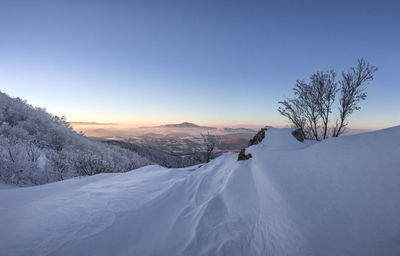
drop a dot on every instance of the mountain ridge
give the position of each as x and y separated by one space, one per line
180 125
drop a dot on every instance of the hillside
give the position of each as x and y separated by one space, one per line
37 147
337 197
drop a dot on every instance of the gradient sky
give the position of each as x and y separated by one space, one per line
208 62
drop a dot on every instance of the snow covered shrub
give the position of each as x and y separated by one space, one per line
19 162
37 147
59 163
90 164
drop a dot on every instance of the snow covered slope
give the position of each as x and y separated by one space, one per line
337 197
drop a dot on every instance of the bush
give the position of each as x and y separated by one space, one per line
37 147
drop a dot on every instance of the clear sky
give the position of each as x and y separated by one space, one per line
208 62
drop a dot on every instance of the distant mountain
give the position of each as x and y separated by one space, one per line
181 125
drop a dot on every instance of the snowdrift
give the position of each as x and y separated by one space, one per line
337 197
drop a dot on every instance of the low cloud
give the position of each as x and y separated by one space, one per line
91 123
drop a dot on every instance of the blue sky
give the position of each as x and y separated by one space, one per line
208 62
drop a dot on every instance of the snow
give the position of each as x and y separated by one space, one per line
6 186
336 197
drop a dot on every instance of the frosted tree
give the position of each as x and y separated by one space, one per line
352 91
291 109
37 147
210 143
311 108
326 88
307 98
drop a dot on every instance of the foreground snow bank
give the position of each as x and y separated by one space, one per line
337 197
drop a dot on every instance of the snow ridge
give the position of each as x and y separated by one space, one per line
337 197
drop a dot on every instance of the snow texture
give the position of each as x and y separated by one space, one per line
336 197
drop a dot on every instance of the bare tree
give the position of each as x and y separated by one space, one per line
353 85
311 108
308 98
210 142
291 108
326 88
303 111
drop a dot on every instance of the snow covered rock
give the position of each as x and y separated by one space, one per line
298 134
243 156
258 137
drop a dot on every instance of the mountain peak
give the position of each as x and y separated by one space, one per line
184 124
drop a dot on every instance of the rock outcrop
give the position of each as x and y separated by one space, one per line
243 155
255 140
298 134
258 137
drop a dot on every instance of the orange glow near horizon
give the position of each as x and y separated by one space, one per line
124 126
